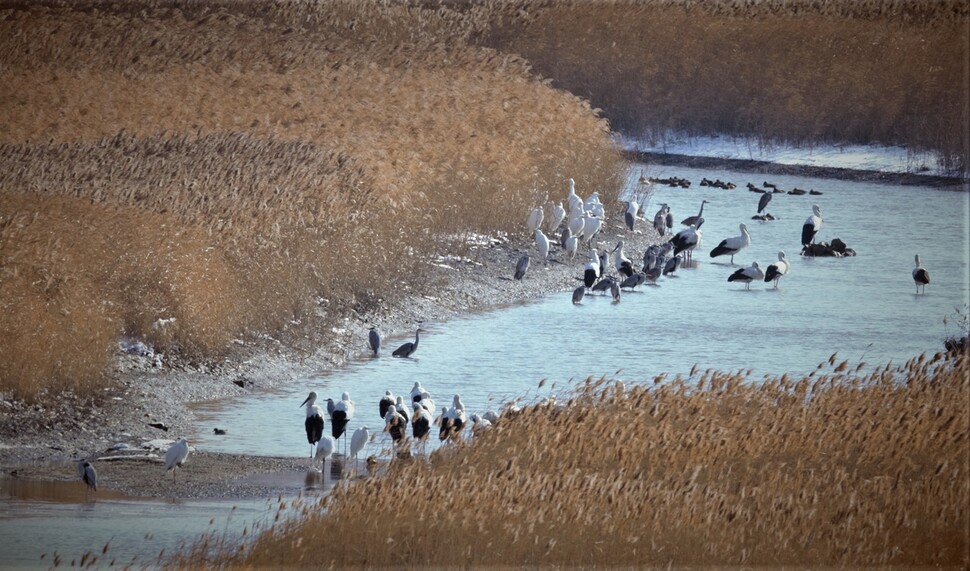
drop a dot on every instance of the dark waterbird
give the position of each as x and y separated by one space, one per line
407 349
521 267
374 340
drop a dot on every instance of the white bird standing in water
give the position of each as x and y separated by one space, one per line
324 450
920 276
176 455
777 270
542 244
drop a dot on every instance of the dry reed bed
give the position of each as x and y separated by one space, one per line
277 165
835 468
806 72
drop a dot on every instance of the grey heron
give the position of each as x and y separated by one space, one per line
578 295
777 270
634 280
660 220
920 276
672 264
88 475
615 292
603 285
746 275
176 455
733 245
763 201
571 246
692 220
407 349
314 420
812 225
520 267
374 339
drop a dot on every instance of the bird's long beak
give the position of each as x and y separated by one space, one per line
304 402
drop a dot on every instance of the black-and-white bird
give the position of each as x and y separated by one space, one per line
733 245
812 225
920 276
88 474
621 262
777 270
451 423
692 220
592 269
374 340
407 349
386 402
402 409
396 425
746 275
416 391
687 240
420 422
521 267
343 412
314 421
176 455
763 201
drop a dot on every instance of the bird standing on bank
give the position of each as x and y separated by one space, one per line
521 267
176 455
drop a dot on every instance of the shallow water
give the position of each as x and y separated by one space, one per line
44 520
864 308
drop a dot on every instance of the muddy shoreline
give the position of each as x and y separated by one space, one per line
149 404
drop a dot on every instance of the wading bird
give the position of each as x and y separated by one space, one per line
416 391
591 227
407 349
374 339
572 245
592 269
402 409
622 263
687 239
615 292
630 216
542 244
812 225
386 402
578 294
558 215
324 450
520 267
672 264
733 245
176 455
395 424
88 475
314 421
763 201
358 440
535 219
603 285
634 280
692 220
920 276
343 412
420 423
752 272
777 270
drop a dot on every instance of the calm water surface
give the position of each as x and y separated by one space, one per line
864 308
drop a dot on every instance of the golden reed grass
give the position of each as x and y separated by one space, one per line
803 71
836 468
232 166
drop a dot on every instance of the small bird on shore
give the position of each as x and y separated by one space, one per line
176 455
920 276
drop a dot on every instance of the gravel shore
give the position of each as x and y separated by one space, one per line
41 441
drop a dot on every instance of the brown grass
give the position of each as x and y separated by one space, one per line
833 469
235 165
780 71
